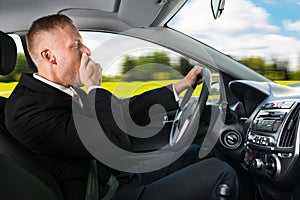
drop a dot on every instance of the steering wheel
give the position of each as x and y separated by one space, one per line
186 121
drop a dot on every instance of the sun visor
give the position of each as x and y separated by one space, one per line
140 13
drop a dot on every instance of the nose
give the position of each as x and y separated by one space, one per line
86 50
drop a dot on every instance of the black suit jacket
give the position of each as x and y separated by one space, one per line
40 117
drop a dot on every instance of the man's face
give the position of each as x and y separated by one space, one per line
67 49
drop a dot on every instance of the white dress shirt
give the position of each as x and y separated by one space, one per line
70 90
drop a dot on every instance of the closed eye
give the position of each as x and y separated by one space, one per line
77 44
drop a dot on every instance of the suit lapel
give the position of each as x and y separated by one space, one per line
40 88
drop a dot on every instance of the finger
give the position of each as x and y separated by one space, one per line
86 70
198 69
84 60
99 68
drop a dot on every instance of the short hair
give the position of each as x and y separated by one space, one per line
45 23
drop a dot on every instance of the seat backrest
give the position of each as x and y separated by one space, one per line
22 176
8 58
8 54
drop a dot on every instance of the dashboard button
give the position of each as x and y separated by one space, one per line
263 143
271 141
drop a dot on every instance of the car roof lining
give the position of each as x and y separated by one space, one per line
151 12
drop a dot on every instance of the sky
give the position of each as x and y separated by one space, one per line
264 28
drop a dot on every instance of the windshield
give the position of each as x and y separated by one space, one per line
258 34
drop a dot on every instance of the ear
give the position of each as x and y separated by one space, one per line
48 56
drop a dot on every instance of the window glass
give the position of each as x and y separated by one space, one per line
258 34
8 82
132 66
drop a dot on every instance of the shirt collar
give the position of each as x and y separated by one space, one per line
70 91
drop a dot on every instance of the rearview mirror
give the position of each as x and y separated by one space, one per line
217 7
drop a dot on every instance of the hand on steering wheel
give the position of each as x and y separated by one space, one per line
186 121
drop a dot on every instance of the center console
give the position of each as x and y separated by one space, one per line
272 143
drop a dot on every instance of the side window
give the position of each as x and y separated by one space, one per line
131 66
8 82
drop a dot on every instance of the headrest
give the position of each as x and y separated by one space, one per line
8 54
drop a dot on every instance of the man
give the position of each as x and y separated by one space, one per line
39 114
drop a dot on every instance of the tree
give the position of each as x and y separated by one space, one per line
184 66
255 63
278 70
128 64
154 66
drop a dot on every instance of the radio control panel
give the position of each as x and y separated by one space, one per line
262 140
272 139
266 126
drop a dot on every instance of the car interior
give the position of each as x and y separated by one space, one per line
253 124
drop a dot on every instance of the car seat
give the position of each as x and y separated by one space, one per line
21 174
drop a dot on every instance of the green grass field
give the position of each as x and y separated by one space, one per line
122 89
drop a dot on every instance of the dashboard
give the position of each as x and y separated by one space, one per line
271 140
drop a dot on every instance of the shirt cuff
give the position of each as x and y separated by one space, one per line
94 87
175 93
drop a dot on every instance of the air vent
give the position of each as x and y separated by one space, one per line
231 139
289 132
